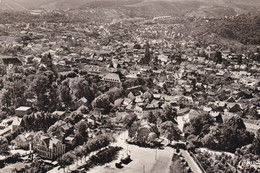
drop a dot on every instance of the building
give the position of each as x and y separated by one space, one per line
70 140
23 110
139 112
49 147
24 140
47 60
82 102
16 124
113 79
59 113
10 62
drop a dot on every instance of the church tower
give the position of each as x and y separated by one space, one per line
147 56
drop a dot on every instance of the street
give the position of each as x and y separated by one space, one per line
191 162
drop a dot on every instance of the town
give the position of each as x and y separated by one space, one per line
105 94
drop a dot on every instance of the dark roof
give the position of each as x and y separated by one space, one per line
7 61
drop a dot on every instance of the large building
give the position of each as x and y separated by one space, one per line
113 79
49 147
9 63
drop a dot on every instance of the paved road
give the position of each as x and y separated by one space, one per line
193 165
143 159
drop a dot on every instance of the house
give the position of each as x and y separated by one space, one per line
121 116
10 62
5 131
231 99
139 99
82 101
163 58
49 147
127 101
16 125
157 96
147 95
194 113
23 110
70 140
155 104
24 140
234 108
118 102
58 113
133 74
92 122
131 96
66 128
139 112
186 100
130 107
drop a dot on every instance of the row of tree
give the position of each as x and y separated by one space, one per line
91 145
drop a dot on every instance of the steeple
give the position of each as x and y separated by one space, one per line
147 56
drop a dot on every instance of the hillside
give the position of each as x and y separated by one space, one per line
244 28
11 5
211 8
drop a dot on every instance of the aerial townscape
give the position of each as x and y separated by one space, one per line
129 86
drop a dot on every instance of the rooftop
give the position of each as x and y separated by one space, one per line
23 108
11 60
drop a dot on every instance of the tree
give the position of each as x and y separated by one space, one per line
6 99
256 144
4 149
37 166
64 94
61 162
39 121
40 86
171 131
137 46
227 138
81 88
236 123
152 118
14 87
80 152
218 57
83 109
169 113
68 159
81 131
102 102
239 59
198 125
115 93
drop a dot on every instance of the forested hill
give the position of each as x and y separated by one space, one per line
244 28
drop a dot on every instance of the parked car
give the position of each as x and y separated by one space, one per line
119 165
